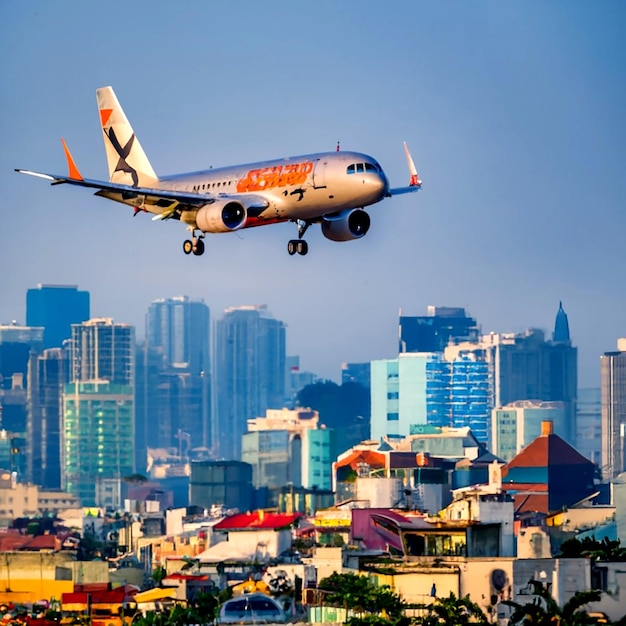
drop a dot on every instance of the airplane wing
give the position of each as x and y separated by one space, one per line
165 203
156 198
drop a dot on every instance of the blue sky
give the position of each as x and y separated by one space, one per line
514 112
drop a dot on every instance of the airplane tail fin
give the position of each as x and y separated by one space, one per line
128 163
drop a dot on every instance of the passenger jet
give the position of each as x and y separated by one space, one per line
328 188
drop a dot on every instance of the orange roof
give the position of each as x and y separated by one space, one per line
373 458
547 450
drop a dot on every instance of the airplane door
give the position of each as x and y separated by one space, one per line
319 174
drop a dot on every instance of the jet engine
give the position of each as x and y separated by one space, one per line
221 216
346 225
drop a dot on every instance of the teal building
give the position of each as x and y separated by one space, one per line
97 436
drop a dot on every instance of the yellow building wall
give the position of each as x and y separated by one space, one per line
34 576
415 587
33 590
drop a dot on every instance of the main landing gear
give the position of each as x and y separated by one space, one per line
195 245
299 245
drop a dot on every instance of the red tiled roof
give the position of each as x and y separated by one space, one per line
548 450
257 520
43 542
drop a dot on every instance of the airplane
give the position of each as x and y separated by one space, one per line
328 188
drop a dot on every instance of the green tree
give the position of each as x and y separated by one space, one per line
588 547
360 594
544 610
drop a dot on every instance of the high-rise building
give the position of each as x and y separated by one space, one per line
103 350
47 375
97 433
427 388
613 389
174 377
180 328
56 308
434 331
18 344
97 436
249 373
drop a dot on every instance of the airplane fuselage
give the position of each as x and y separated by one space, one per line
301 187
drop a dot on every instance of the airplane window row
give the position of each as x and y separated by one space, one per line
362 167
211 185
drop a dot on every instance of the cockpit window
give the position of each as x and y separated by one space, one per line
363 167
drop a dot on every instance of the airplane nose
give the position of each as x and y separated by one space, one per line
381 184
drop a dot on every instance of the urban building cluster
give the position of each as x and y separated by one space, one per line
204 448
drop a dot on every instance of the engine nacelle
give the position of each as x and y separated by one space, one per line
346 225
221 216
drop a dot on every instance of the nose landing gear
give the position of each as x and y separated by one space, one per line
195 245
299 245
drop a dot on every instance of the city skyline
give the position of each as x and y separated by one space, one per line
514 118
335 367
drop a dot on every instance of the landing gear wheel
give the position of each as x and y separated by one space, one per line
292 247
198 249
187 246
302 247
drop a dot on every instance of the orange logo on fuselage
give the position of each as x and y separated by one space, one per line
277 176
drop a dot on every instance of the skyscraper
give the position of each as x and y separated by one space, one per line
97 431
47 375
613 390
174 389
249 372
17 345
56 308
180 327
428 388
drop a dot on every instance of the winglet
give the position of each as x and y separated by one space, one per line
414 181
71 166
